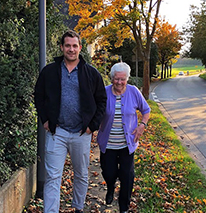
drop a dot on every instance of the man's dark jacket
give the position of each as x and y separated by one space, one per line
47 94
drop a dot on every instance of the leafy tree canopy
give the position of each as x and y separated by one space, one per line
167 39
196 33
116 20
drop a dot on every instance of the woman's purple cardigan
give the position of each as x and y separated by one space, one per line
131 101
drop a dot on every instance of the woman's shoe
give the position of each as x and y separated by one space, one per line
109 197
79 211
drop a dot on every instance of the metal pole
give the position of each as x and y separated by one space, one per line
120 58
40 130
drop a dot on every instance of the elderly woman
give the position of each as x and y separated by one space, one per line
119 134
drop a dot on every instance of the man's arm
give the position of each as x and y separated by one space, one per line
101 101
39 98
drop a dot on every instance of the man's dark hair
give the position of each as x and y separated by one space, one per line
72 34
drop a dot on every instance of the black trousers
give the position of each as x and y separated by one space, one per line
119 164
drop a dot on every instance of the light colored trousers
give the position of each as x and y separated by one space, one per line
56 148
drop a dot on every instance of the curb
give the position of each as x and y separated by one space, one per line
189 146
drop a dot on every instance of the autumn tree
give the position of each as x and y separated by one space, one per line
167 39
128 56
116 20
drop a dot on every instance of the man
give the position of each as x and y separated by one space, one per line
70 99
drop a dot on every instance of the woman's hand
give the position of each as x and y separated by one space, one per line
138 131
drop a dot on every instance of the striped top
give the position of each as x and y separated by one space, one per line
116 137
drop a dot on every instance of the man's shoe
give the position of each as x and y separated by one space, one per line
123 211
109 197
79 211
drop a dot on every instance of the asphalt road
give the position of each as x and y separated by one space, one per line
183 100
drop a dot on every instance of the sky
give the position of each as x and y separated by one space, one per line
177 11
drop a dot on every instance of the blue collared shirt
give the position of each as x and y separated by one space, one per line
70 117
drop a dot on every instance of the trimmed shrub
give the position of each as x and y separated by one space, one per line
19 66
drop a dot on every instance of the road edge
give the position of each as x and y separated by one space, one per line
187 143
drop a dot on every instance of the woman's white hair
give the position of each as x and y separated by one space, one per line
120 67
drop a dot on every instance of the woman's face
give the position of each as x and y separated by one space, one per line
119 81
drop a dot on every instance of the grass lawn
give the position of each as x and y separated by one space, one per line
203 75
192 70
167 179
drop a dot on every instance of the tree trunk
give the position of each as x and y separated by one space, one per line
162 71
170 70
165 67
137 67
146 80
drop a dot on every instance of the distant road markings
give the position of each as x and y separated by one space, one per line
154 97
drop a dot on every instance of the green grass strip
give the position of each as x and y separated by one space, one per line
167 179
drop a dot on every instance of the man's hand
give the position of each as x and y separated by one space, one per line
46 126
88 131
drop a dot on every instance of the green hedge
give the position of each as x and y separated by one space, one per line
19 68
